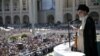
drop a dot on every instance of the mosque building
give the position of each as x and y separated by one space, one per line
19 12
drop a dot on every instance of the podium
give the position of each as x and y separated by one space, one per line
65 50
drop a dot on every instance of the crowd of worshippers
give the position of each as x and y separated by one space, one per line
33 46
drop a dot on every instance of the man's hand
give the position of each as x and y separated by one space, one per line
74 28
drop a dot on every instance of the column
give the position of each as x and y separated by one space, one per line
86 1
74 8
3 12
30 11
59 10
99 16
11 10
77 3
33 13
21 21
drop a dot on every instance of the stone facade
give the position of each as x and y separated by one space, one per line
31 11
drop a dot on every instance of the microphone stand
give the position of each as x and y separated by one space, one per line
69 34
76 38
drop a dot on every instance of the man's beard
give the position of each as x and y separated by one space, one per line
81 18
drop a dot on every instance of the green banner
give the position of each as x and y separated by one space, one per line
98 1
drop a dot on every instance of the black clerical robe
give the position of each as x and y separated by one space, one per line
89 34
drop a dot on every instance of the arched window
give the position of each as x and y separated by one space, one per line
0 5
1 20
8 20
95 16
50 19
7 5
25 4
26 19
67 17
16 5
16 19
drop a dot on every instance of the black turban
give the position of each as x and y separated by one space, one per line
83 7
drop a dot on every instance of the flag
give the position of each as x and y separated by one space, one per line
98 1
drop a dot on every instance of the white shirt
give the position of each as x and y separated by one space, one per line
83 19
80 38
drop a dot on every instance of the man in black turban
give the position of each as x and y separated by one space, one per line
87 42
